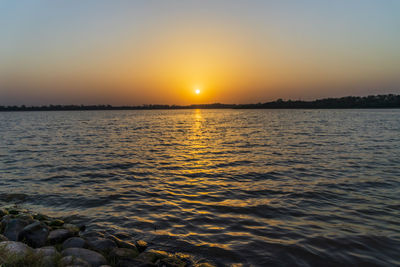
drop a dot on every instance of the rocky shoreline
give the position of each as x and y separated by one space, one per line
34 239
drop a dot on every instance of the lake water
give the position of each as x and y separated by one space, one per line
256 187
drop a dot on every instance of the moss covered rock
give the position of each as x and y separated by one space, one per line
56 223
152 256
40 217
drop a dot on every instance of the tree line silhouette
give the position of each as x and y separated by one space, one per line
371 101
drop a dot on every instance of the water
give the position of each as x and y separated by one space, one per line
257 187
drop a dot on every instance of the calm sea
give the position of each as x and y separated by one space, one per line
257 187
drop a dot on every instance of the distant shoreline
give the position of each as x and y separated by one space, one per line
349 102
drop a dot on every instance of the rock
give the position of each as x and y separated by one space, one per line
40 217
35 234
152 256
17 248
25 217
47 222
141 245
122 244
74 242
101 244
123 253
58 236
73 261
13 228
48 256
47 251
56 223
3 238
4 222
92 257
72 228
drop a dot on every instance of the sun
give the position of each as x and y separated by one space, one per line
197 91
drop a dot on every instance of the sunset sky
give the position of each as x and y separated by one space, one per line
160 52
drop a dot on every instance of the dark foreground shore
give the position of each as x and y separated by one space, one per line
33 239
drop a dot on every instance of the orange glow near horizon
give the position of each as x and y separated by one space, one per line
133 53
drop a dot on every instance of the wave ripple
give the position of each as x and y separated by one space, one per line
256 187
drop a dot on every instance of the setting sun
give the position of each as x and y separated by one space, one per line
197 91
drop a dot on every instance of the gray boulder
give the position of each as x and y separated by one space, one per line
74 261
16 248
101 244
92 257
74 242
13 228
49 251
48 256
58 236
34 234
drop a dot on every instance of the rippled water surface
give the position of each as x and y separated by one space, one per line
257 187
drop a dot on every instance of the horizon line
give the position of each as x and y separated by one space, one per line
370 101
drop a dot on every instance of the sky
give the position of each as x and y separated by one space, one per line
161 52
